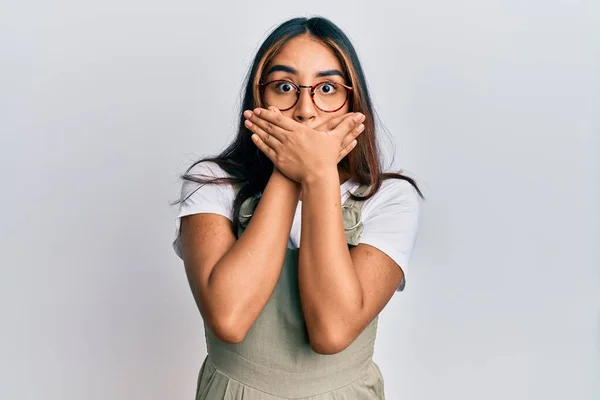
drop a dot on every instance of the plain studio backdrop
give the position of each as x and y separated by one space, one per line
493 106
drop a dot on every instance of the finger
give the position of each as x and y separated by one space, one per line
262 146
349 123
264 136
353 134
346 150
275 117
332 123
266 126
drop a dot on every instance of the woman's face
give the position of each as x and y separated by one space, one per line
306 61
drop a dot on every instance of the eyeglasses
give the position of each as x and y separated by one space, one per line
327 96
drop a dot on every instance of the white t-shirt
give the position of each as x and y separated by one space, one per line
390 218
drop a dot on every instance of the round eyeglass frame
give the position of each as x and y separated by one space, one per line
312 92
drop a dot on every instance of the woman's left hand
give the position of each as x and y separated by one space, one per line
298 151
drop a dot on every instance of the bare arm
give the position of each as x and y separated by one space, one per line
341 290
232 280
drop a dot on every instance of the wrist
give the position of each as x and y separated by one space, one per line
279 176
323 177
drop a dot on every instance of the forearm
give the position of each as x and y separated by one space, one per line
329 286
244 278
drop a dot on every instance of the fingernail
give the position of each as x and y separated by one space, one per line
248 123
247 113
257 111
361 128
358 117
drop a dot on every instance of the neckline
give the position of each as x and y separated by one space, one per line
346 185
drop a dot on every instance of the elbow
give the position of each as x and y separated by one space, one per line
224 326
328 345
227 330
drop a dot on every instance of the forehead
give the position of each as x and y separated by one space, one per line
307 55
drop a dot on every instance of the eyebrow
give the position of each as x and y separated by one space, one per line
286 68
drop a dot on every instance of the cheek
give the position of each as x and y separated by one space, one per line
325 116
342 111
288 113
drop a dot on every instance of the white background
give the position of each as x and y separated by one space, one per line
492 105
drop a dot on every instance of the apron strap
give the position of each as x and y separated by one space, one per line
352 216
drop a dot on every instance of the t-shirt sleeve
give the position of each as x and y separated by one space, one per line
391 221
197 198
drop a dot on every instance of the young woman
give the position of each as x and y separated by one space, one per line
293 238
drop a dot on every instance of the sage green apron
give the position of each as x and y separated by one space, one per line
275 360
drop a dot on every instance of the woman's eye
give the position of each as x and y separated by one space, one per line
285 87
327 88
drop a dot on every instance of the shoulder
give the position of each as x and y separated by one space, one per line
208 169
205 172
391 219
394 195
399 187
197 197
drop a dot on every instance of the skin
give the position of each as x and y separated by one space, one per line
322 65
341 290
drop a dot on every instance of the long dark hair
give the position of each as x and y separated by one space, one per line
247 167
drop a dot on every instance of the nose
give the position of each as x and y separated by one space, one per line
304 110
